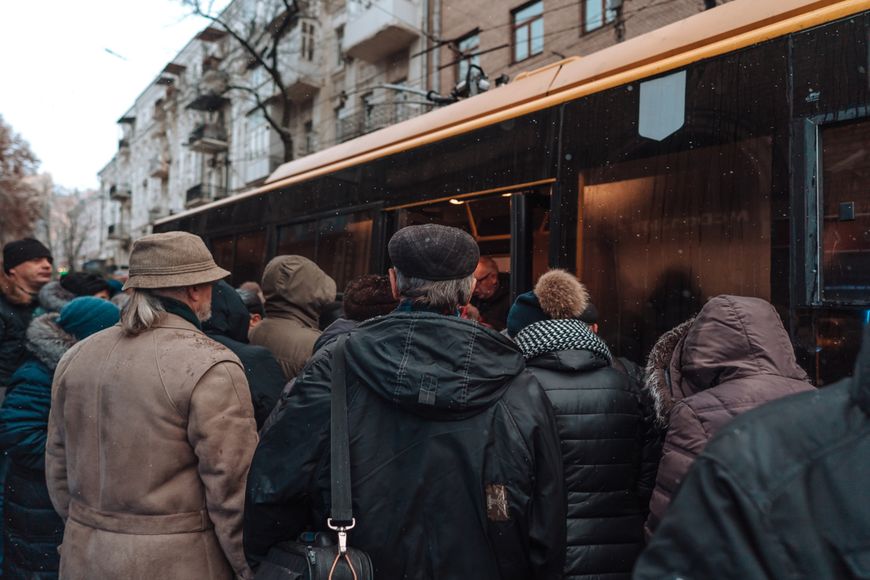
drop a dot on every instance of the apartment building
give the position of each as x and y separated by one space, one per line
263 85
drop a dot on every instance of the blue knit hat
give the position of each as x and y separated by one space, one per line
526 310
86 315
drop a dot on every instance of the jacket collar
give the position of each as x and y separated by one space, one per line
47 340
178 308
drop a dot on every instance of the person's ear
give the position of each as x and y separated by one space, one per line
394 284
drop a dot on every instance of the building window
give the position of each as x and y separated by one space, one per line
528 31
309 137
468 45
339 40
307 41
596 13
367 103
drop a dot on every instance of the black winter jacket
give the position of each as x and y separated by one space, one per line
780 492
455 462
611 448
14 319
228 325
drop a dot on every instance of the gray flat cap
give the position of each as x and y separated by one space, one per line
434 252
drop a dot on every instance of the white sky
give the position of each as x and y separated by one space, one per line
63 92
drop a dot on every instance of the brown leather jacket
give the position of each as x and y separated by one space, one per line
734 356
149 443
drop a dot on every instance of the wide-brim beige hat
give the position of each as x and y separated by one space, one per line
170 260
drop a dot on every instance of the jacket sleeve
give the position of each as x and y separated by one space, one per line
712 530
24 419
55 445
685 440
547 528
223 435
281 483
651 446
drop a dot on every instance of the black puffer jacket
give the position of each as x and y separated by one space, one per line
780 492
15 316
611 449
443 418
228 325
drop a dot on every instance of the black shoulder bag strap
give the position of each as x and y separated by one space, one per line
341 514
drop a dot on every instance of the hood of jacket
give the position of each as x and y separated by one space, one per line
295 287
435 366
47 340
53 297
229 316
733 337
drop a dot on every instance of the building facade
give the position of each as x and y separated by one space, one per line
263 85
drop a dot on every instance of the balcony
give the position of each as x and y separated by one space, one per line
119 192
208 138
159 168
118 232
123 144
380 28
300 69
203 193
377 116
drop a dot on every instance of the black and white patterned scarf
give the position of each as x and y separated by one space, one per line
555 335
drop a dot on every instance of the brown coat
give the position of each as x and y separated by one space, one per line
733 357
149 443
296 290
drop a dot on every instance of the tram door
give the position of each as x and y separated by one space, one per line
511 227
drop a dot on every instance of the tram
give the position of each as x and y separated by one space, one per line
726 153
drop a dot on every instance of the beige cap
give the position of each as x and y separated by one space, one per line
171 259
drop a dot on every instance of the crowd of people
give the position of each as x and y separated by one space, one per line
177 427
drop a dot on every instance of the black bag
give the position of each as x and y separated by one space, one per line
316 556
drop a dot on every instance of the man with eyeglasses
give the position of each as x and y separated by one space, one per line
491 300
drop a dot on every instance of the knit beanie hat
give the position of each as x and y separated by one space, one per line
367 297
86 315
558 295
20 251
84 283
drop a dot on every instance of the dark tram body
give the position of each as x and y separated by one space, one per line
757 183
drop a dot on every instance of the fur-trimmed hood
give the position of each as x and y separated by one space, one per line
53 297
733 337
47 340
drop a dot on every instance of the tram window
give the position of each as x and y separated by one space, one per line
340 245
298 239
845 212
222 250
250 256
660 235
344 246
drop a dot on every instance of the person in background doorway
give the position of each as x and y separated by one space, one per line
610 446
734 356
254 287
32 530
364 297
296 291
491 300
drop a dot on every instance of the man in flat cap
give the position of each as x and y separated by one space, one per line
152 430
455 459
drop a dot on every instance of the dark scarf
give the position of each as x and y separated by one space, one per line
557 335
173 306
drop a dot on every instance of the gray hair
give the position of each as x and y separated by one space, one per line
445 294
141 312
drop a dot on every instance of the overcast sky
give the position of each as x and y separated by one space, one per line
61 89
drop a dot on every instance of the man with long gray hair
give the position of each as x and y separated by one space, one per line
151 431
455 458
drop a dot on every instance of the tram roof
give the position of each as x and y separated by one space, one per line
726 28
